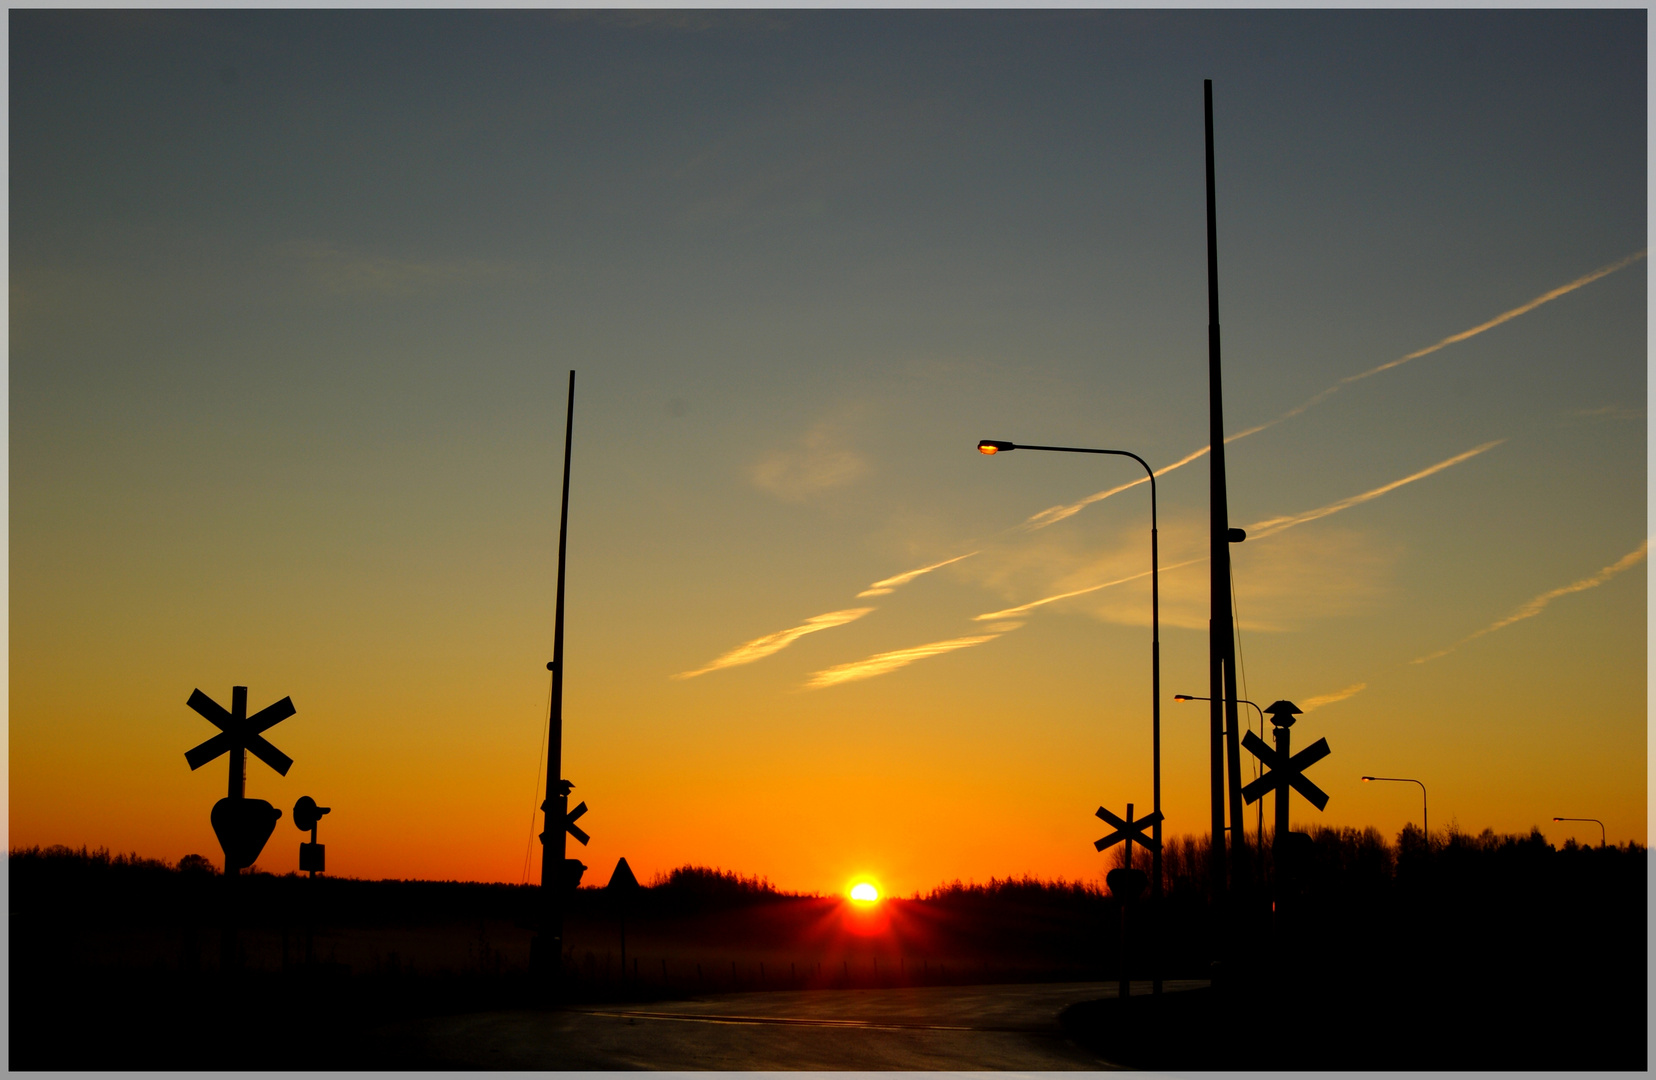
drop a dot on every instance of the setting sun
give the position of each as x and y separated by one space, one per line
865 892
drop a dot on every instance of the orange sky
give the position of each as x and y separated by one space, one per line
289 337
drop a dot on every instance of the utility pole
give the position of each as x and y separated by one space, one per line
547 954
1221 632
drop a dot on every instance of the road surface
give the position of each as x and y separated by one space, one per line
1009 1026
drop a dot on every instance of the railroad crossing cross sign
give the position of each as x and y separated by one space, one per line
569 823
1128 829
1285 772
242 825
238 731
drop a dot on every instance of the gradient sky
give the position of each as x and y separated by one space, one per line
294 296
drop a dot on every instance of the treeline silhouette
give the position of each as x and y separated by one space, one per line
1486 951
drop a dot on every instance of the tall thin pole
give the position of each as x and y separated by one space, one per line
1155 745
556 806
1223 715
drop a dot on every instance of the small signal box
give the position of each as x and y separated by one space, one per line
306 815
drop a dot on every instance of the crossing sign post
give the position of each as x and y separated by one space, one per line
1127 883
1286 770
242 824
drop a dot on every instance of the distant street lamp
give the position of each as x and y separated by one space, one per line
1260 829
1594 820
1424 827
996 446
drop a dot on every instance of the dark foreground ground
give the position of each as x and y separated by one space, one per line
1500 954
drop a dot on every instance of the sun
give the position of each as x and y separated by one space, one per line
864 892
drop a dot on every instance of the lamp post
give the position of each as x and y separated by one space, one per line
1424 827
1594 820
994 446
1260 829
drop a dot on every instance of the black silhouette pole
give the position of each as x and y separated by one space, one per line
1425 827
556 806
995 446
1594 820
1221 632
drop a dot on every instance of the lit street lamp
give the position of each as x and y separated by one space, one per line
1594 820
1424 827
995 446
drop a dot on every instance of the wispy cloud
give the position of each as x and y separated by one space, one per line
1024 609
1312 704
891 584
1269 526
1053 515
880 663
819 462
1534 607
347 272
759 648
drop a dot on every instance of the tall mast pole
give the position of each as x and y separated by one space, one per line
556 806
1221 640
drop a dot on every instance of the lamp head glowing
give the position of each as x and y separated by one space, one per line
994 446
1365 779
1183 697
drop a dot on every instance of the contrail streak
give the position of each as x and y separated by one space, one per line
1269 526
1256 531
759 648
881 588
881 663
1056 514
1535 606
1053 515
1014 612
1499 319
1338 695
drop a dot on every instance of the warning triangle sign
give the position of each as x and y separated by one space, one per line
623 879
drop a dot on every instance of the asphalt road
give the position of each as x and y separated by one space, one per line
1011 1027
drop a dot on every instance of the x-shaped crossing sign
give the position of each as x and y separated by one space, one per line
569 823
237 729
1129 830
1284 774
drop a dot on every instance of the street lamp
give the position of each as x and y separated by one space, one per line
1241 701
996 446
1424 827
1594 820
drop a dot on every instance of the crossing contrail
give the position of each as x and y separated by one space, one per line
1053 515
1256 531
761 647
880 663
1021 609
890 584
1586 279
1265 528
1535 606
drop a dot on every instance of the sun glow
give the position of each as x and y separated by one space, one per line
864 892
